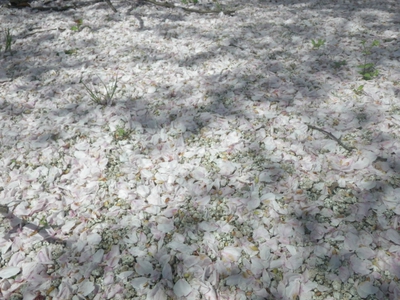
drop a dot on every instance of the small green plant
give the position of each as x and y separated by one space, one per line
317 44
8 40
102 98
43 222
70 51
78 25
121 133
368 70
218 5
190 1
338 64
358 90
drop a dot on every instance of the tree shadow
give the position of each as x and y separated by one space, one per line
306 217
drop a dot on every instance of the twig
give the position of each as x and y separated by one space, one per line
330 135
111 6
171 5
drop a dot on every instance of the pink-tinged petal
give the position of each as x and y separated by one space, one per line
226 167
4 246
254 202
365 238
207 226
108 278
265 176
191 260
214 278
167 272
31 269
231 253
124 275
98 256
8 272
261 293
66 228
277 263
5 285
365 184
93 239
154 198
207 291
366 288
202 201
334 262
351 241
364 161
16 258
157 293
165 225
112 257
344 273
112 290
265 254
294 262
44 256
308 286
143 267
321 250
86 287
182 288
64 291
139 283
360 266
365 253
343 164
317 231
257 266
293 289
21 209
199 173
234 279
393 236
394 249
394 267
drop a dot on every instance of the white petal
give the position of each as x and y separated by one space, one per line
362 163
253 203
226 167
86 287
93 238
8 272
231 253
206 226
365 253
143 267
98 256
167 272
139 282
234 279
366 288
393 236
154 198
143 190
165 225
294 262
351 241
265 176
124 275
360 266
182 288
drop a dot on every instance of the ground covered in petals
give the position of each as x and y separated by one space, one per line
159 154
